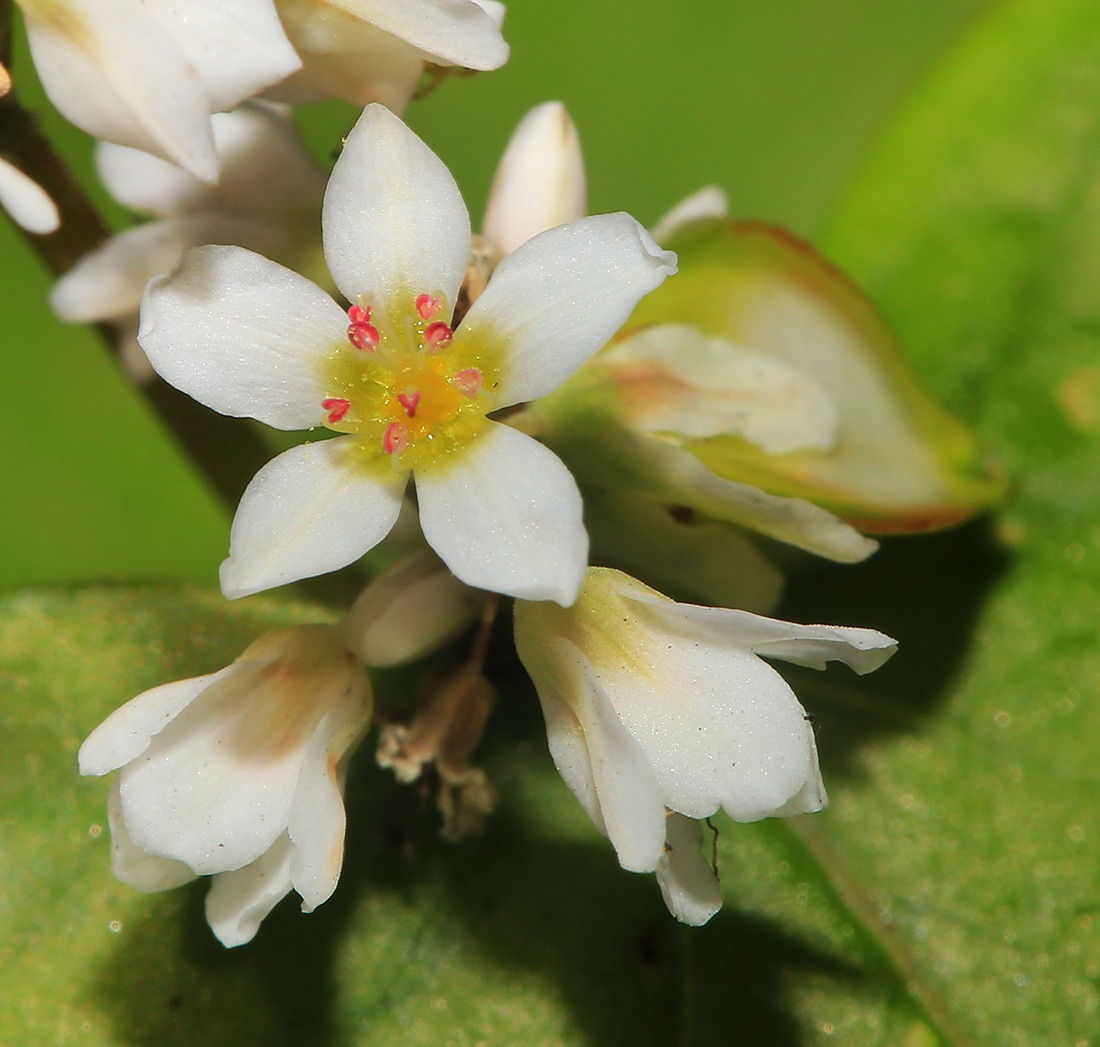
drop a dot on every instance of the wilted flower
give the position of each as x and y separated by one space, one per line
654 707
267 199
149 73
247 337
379 52
238 775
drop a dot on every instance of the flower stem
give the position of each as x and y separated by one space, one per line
227 451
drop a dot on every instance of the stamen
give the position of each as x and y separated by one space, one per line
427 306
359 314
438 336
469 382
410 400
336 408
363 335
395 439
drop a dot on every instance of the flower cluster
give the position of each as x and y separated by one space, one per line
535 412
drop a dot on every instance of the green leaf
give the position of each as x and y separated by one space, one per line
974 228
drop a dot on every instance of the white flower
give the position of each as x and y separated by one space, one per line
377 50
249 338
540 181
26 202
238 774
266 199
148 73
654 706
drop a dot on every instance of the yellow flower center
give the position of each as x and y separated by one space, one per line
412 388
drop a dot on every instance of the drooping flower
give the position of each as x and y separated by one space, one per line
149 73
266 199
239 775
26 202
656 710
378 51
410 392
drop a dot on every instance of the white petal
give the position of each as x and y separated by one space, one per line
540 182
238 901
266 170
311 510
454 32
560 296
243 335
317 820
688 883
118 74
863 650
674 378
812 796
569 750
629 794
108 283
506 516
409 611
126 733
394 222
144 182
136 867
213 789
237 47
792 520
346 58
494 9
28 204
708 202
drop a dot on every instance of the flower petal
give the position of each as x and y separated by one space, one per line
144 182
506 516
394 222
629 795
311 510
243 335
863 650
317 819
117 73
126 733
212 790
237 47
136 867
27 203
688 883
409 611
708 202
238 901
107 283
560 296
454 32
540 182
569 751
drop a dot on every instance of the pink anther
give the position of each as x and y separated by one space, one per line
359 314
438 335
410 401
395 439
336 408
363 336
469 382
427 306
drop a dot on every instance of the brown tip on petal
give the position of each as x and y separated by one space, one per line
5 80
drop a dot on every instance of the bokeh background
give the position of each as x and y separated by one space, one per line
776 102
